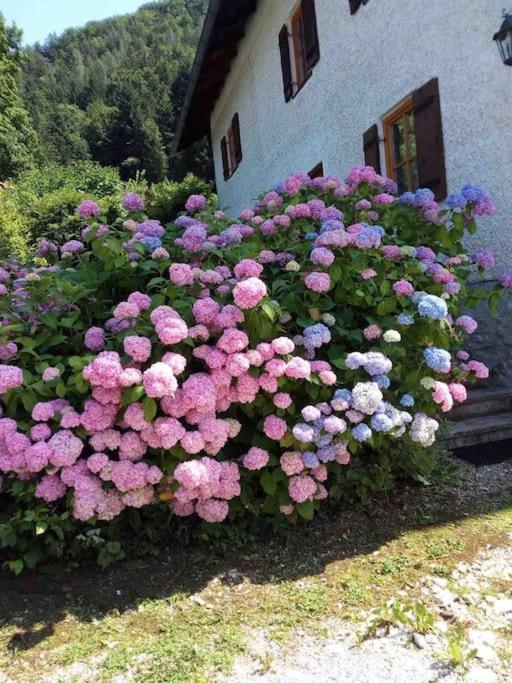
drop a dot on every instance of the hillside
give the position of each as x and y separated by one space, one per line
111 90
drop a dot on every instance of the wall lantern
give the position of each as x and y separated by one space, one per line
503 38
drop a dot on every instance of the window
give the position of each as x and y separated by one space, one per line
400 145
299 48
413 142
231 148
355 5
317 172
301 39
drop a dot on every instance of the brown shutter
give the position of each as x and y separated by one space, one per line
225 162
354 5
237 142
310 33
371 148
429 138
286 65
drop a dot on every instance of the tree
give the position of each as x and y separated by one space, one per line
127 75
64 135
18 141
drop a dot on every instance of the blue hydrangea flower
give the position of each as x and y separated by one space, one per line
381 423
362 432
473 193
456 200
342 399
330 225
316 336
370 236
324 440
407 401
405 319
326 454
406 198
422 197
151 243
309 458
311 236
438 359
433 307
383 381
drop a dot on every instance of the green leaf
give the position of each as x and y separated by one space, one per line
16 566
150 408
306 510
268 483
132 395
269 310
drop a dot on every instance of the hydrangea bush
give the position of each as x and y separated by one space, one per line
214 368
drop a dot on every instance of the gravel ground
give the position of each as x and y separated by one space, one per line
398 655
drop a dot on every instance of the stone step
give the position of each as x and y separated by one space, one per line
482 429
488 401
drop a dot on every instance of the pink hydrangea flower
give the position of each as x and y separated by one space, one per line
11 377
159 381
302 488
403 288
255 459
49 374
138 348
274 427
196 202
318 282
249 293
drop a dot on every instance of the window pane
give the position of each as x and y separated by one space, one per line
415 177
299 49
411 135
401 179
399 141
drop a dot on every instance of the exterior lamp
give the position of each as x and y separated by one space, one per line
503 38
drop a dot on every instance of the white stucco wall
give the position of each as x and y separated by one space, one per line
369 62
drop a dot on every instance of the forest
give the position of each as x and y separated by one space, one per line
109 92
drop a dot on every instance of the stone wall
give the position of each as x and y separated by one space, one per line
492 341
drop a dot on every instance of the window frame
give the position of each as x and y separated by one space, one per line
298 47
233 163
401 112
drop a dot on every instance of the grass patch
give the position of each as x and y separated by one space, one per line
173 620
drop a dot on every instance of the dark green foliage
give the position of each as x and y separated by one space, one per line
42 202
166 200
112 90
18 141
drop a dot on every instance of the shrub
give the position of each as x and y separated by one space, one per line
219 369
167 199
14 231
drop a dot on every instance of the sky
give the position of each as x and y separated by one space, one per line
38 18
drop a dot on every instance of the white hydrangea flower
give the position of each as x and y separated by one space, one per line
366 397
292 266
392 337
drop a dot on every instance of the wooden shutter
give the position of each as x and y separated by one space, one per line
286 65
354 5
317 172
429 138
310 33
372 148
225 162
237 142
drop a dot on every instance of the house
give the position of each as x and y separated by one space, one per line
416 89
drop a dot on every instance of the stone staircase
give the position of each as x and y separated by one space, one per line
484 418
